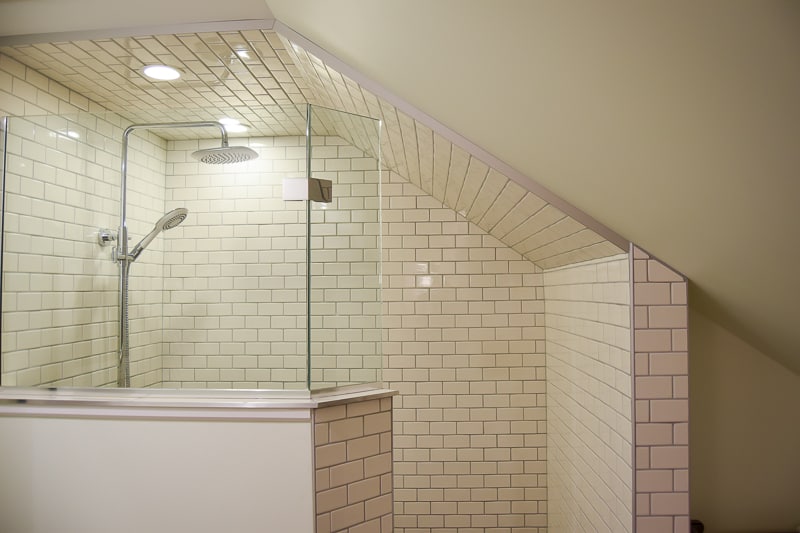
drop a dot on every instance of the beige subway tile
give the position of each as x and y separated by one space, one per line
668 364
673 457
363 447
653 340
379 506
676 503
679 293
642 504
668 316
377 423
681 433
680 341
680 387
346 429
320 434
371 526
642 457
652 294
346 473
330 454
654 434
363 490
681 480
669 410
347 516
657 271
328 500
653 387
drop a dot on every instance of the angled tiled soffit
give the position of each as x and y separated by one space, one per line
264 78
455 175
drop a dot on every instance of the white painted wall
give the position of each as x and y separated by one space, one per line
71 475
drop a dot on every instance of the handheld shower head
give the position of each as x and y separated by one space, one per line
225 154
168 221
172 219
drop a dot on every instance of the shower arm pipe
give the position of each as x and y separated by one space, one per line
122 238
121 254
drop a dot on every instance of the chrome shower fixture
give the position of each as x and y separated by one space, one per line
225 154
168 221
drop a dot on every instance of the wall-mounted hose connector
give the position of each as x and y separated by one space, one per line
106 237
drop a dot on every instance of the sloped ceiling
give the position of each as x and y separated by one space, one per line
673 123
260 77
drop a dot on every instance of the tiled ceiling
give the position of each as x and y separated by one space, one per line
246 75
264 80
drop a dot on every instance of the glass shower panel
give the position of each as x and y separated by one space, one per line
235 270
220 301
59 287
345 278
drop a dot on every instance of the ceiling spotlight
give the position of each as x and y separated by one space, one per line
161 72
232 125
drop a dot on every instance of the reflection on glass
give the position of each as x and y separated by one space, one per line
219 301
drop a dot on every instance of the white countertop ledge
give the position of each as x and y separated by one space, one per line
183 404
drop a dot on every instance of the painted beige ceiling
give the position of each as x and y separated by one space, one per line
674 123
25 17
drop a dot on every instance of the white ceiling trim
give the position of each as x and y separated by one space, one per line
139 31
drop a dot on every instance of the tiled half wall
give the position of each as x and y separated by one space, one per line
353 467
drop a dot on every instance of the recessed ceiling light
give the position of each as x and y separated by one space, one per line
161 72
232 125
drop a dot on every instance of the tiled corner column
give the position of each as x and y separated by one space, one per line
661 368
353 467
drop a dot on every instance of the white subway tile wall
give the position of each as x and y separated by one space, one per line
60 288
215 302
661 366
235 312
589 397
465 349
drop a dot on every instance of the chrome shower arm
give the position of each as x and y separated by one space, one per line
165 125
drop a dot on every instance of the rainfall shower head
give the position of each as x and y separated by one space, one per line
225 154
168 221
